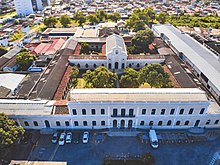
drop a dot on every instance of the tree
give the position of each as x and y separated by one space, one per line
9 132
101 77
149 11
101 15
114 16
50 22
79 18
73 76
154 75
161 17
3 50
142 40
149 159
93 19
25 59
130 79
84 47
65 20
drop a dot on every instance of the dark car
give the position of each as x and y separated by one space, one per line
76 139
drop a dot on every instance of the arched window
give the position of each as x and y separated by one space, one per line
94 65
26 123
87 65
78 65
116 51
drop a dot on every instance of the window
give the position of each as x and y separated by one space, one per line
160 123
115 112
153 111
181 111
102 111
208 122
57 123
93 111
87 65
78 65
93 123
178 123
202 111
35 123
74 111
116 52
169 122
76 123
151 123
84 111
216 121
122 112
131 112
94 65
26 123
162 111
143 111
85 123
67 123
186 122
102 123
172 111
138 65
191 111
142 123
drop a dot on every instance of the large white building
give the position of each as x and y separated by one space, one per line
27 7
202 61
118 108
116 57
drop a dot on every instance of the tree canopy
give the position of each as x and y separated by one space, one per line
25 59
65 20
130 79
73 76
141 42
101 15
161 17
93 19
114 16
79 18
9 132
101 77
84 48
50 22
154 75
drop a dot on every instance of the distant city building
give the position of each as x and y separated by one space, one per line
27 7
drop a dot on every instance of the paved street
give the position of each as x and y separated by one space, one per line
170 152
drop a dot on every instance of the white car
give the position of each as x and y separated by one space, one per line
69 137
62 139
55 137
85 137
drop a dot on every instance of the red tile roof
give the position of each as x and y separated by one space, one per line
62 86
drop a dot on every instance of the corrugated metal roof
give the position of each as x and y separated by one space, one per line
138 95
205 60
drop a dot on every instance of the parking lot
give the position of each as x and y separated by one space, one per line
174 148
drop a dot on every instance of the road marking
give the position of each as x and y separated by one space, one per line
54 152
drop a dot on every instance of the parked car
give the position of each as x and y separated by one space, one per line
69 137
55 138
76 139
62 139
85 137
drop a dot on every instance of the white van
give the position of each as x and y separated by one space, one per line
153 138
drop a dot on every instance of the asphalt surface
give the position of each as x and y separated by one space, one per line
171 151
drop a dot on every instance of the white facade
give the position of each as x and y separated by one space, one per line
116 57
119 108
23 7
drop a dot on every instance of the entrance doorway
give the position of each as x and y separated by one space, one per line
115 123
122 124
130 122
47 124
116 65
